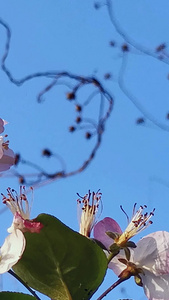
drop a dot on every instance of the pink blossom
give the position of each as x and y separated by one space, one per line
25 224
150 259
151 256
139 222
19 206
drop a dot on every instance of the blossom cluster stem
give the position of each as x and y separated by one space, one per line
24 283
111 288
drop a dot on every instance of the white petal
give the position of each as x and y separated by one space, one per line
152 252
12 250
116 265
12 228
156 287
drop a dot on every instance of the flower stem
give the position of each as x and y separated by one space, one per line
24 283
111 255
111 288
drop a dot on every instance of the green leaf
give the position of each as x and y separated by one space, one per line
15 296
60 262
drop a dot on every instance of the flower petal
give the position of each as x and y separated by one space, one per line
32 226
7 160
1 148
152 252
2 123
12 250
116 265
107 224
24 225
156 287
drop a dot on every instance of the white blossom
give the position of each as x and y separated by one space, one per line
151 257
19 206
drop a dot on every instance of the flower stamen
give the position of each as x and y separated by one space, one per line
17 204
89 207
138 223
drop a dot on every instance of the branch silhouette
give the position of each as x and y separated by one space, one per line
75 84
159 52
127 48
133 98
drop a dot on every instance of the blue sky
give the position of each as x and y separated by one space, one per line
132 163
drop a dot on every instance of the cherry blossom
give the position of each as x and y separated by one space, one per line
138 223
88 207
12 250
148 262
19 206
14 244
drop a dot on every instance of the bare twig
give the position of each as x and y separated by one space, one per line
128 39
158 54
111 288
133 98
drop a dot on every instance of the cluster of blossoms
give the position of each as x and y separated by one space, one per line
14 244
147 261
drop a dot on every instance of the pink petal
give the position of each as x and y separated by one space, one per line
32 226
7 160
107 224
5 122
2 123
25 225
